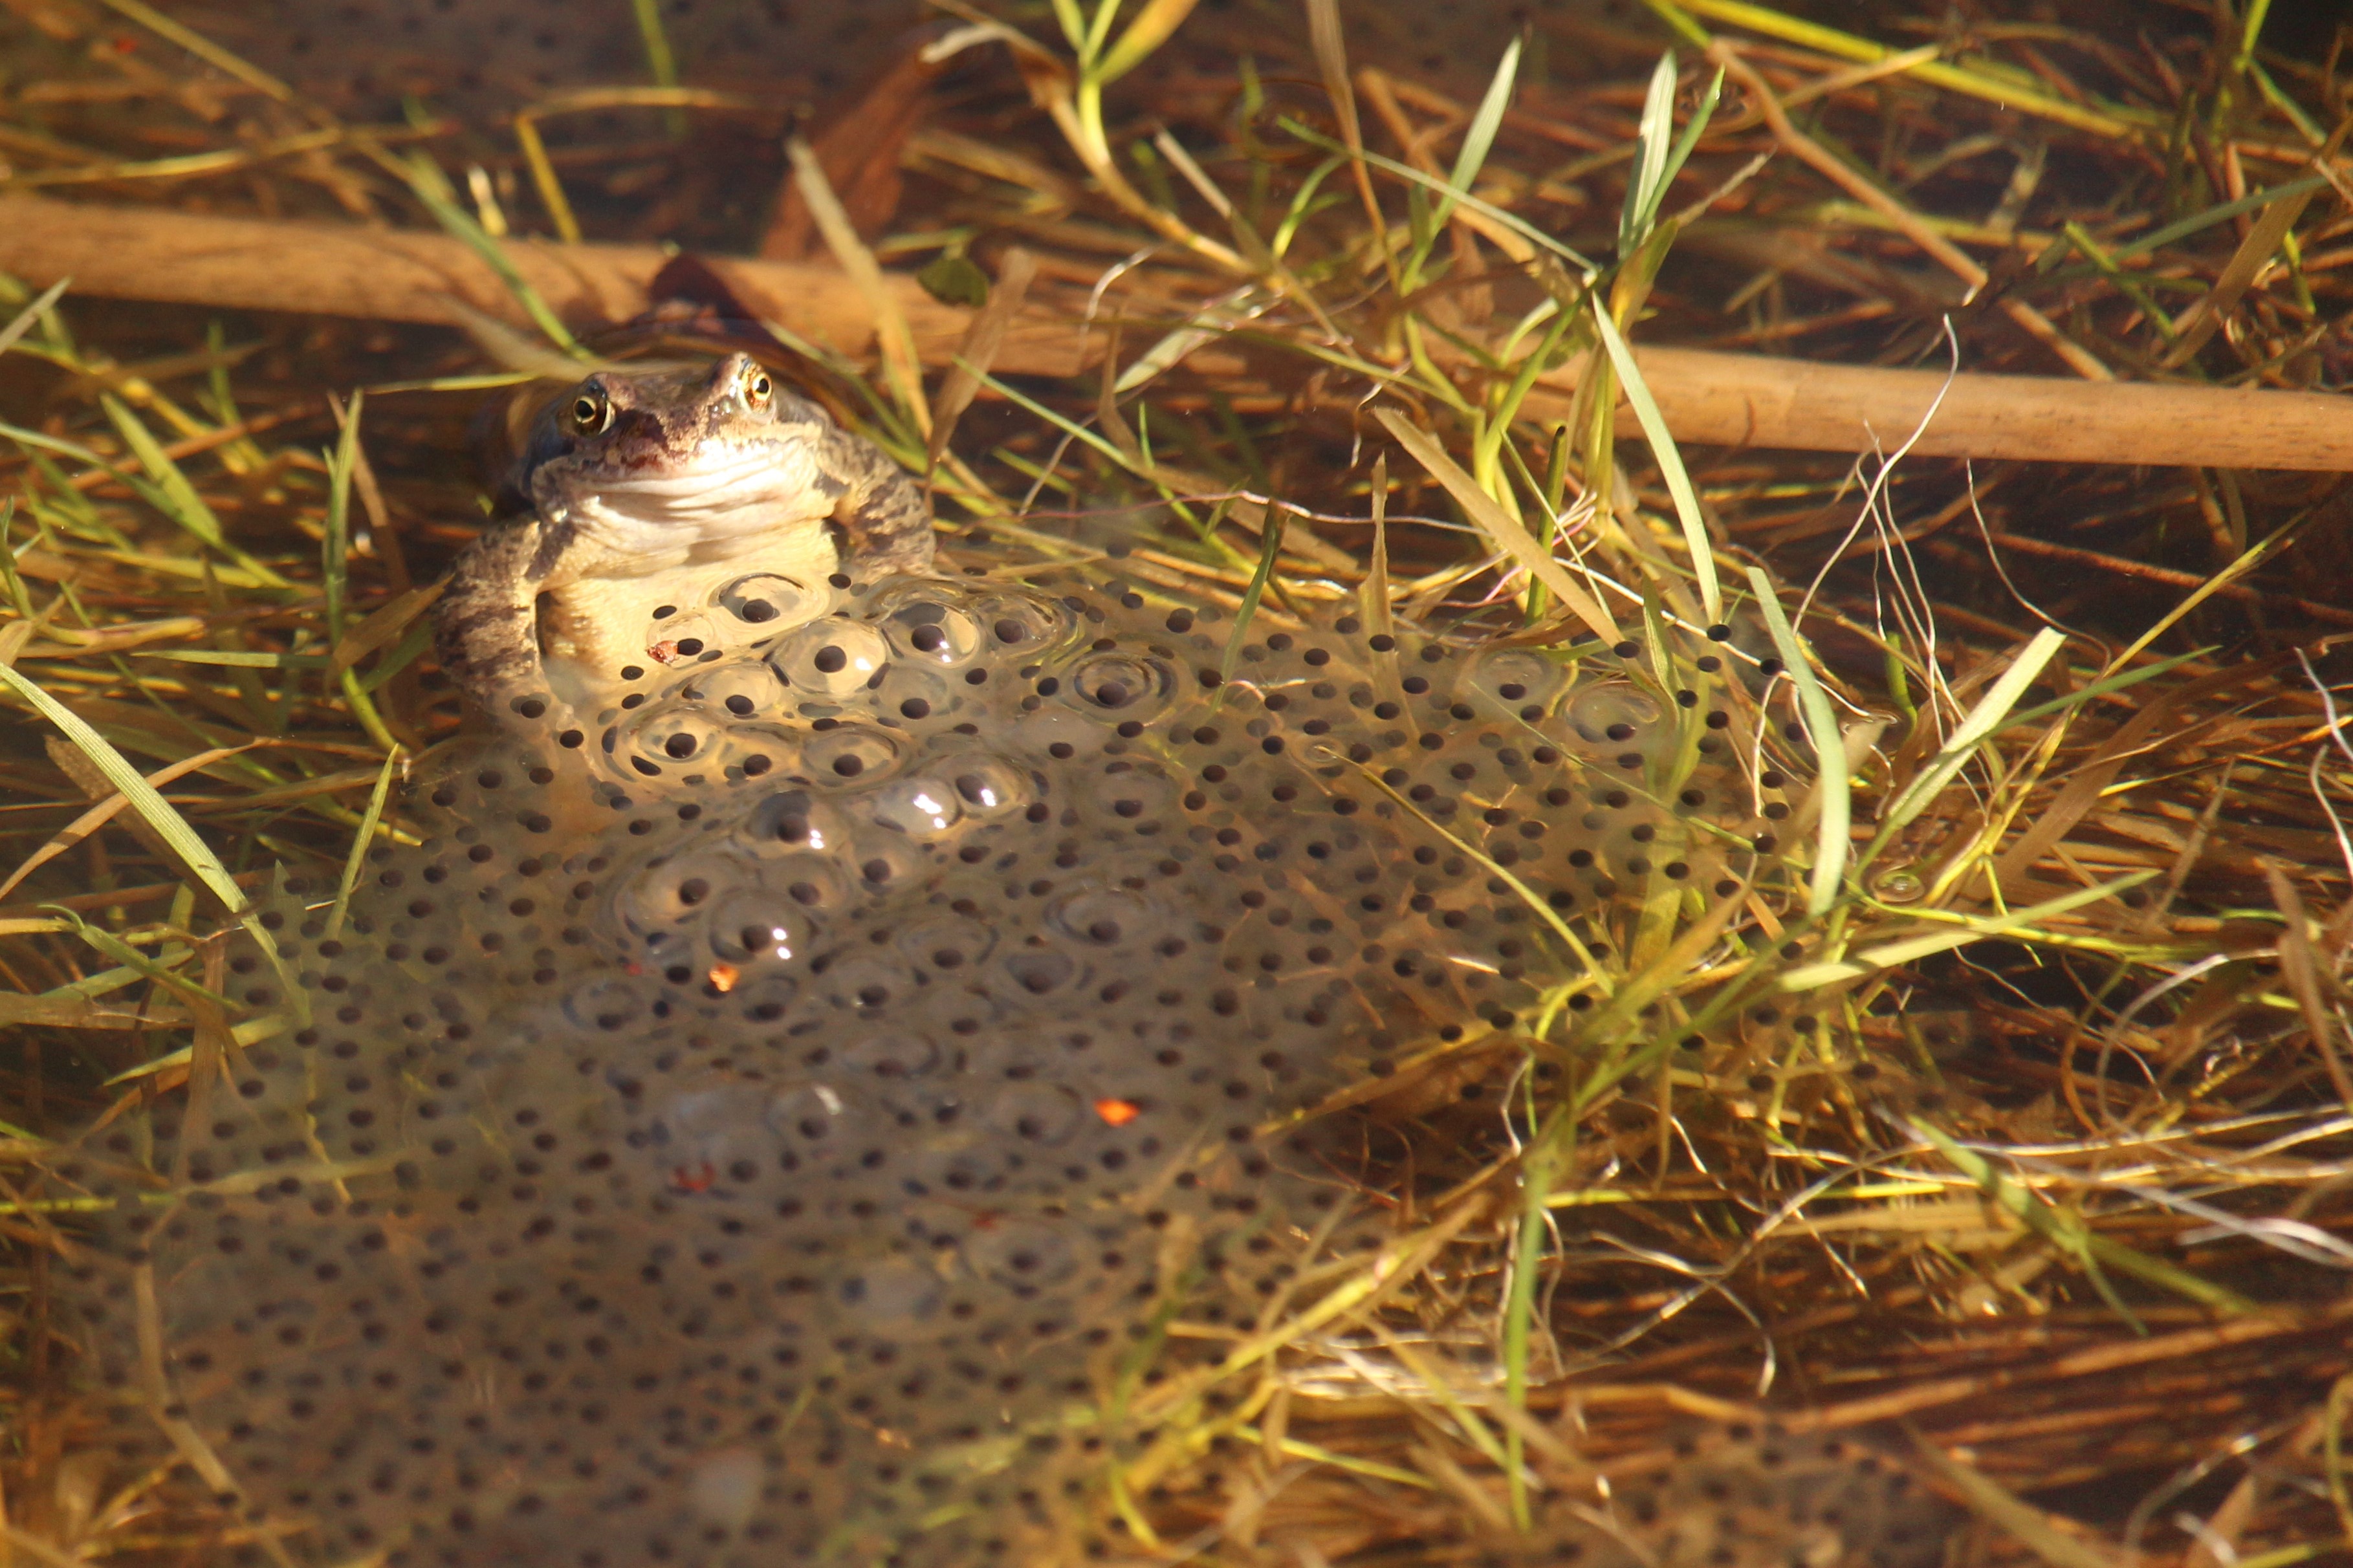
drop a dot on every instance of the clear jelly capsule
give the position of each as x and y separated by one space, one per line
921 808
833 657
765 603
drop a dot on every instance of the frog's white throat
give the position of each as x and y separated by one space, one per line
633 593
642 529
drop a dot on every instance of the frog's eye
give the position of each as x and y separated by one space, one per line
588 412
758 390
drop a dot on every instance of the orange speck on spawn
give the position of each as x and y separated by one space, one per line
1117 1113
663 653
696 1178
723 977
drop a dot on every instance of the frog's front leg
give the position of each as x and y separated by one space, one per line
880 508
487 633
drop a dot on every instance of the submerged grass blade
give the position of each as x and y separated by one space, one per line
1684 143
1153 27
334 550
2073 1234
1270 546
119 772
661 62
356 861
1992 1501
1448 191
2017 97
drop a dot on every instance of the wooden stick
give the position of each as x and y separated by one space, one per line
1750 400
1709 397
393 275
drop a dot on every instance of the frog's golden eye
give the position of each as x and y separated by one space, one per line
588 412
758 389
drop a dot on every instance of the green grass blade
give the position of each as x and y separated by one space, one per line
1205 326
24 320
1448 191
188 507
1837 810
356 862
661 62
2014 96
2250 30
2017 924
1651 138
1270 546
404 654
34 441
1670 459
1684 144
19 597
334 550
431 188
161 969
1152 27
1479 139
1069 428
2158 239
169 825
119 772
1975 730
2073 1234
2098 689
1303 206
1500 526
173 495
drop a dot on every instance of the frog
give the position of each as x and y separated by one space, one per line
651 492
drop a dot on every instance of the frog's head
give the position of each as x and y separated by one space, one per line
663 458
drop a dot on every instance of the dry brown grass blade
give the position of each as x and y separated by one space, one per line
857 143
2091 775
382 626
110 803
1499 525
1995 1502
902 367
1949 255
2299 965
1332 62
982 341
69 761
2203 320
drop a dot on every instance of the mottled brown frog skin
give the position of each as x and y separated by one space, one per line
649 492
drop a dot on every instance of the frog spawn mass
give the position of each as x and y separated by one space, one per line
761 1114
